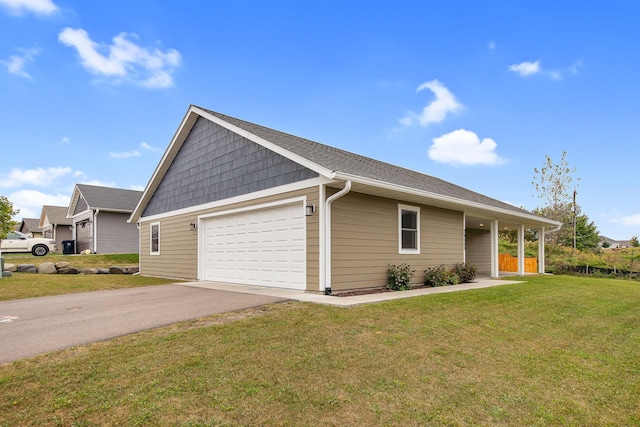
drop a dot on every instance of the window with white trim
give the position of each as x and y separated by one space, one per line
408 229
154 246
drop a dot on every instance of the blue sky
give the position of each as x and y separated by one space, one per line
476 93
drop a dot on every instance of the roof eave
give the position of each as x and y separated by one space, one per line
74 201
462 204
174 146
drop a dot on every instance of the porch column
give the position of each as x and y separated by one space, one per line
541 267
495 272
521 250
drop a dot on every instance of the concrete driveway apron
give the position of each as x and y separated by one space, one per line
40 325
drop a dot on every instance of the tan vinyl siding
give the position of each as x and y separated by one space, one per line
178 256
365 240
478 250
313 241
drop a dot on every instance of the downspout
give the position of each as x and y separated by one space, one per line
327 235
94 238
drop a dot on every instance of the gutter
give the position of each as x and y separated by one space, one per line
327 235
463 204
553 230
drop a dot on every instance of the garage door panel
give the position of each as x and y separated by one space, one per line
265 247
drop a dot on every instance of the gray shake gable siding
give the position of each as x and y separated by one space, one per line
215 164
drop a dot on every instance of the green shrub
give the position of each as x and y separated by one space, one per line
466 272
400 277
440 276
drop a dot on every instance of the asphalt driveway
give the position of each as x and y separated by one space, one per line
40 325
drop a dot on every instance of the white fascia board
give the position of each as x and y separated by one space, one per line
268 145
174 146
309 183
443 198
83 213
74 201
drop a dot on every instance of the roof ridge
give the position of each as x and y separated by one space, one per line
383 168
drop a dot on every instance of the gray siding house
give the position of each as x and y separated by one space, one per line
99 219
232 201
29 226
55 224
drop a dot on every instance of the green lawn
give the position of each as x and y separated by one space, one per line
78 261
28 285
553 351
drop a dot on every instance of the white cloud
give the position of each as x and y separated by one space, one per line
138 187
65 140
124 60
525 68
628 220
39 7
30 202
463 147
98 183
529 68
575 68
40 177
491 46
438 109
16 63
148 147
125 154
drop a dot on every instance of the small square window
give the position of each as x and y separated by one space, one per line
409 229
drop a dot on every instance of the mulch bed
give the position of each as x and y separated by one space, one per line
369 291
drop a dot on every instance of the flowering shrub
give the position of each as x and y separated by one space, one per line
466 272
400 277
440 276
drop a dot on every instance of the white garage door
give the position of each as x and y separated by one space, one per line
264 247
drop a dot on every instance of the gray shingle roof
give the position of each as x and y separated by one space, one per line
31 224
57 215
341 161
109 198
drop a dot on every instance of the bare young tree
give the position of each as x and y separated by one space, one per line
556 186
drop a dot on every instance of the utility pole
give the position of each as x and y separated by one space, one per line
574 219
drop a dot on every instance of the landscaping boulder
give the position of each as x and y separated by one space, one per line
116 269
10 267
47 268
133 269
62 264
89 271
6 274
103 271
27 268
68 270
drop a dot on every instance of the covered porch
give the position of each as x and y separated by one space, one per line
482 249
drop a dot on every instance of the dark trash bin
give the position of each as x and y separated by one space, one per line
68 247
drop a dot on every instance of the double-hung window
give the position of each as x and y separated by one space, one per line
154 247
408 229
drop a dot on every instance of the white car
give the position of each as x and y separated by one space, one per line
18 242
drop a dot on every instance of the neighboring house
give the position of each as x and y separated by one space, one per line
55 225
99 216
29 226
235 202
614 244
